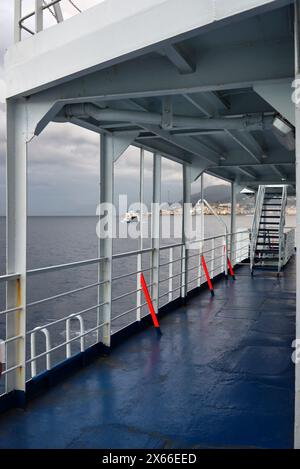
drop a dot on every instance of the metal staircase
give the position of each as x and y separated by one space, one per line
267 233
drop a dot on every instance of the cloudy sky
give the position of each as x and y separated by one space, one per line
63 166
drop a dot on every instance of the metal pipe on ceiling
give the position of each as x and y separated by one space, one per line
243 123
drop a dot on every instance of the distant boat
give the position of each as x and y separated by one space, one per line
131 217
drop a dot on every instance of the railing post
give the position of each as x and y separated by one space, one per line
199 265
170 298
186 227
155 230
225 254
16 230
233 223
17 18
139 256
39 13
212 261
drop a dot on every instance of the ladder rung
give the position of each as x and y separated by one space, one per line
269 223
267 244
263 259
271 205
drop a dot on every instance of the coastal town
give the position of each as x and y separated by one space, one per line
220 209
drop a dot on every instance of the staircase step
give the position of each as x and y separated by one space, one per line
263 259
267 251
269 223
269 234
271 205
270 211
270 216
267 244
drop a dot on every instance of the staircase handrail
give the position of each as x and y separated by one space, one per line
256 222
281 228
203 201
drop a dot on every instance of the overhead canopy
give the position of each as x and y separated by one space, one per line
212 91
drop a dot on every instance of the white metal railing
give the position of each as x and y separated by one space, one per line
222 222
10 339
255 224
281 229
215 252
289 244
51 342
53 7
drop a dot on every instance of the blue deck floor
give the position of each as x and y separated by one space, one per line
220 376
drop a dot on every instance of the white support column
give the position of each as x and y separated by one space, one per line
297 365
186 227
233 223
39 14
202 207
140 246
16 230
111 148
106 243
17 17
155 230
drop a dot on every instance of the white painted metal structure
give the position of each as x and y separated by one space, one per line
203 84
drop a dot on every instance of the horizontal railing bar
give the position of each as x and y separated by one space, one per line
132 253
11 310
126 294
169 278
13 368
170 291
70 292
194 279
12 339
218 267
196 266
8 277
53 349
240 249
170 262
218 236
57 321
127 312
170 246
131 273
70 265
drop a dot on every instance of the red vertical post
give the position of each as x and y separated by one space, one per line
209 282
230 268
150 304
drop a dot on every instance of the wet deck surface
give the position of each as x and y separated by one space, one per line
220 376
